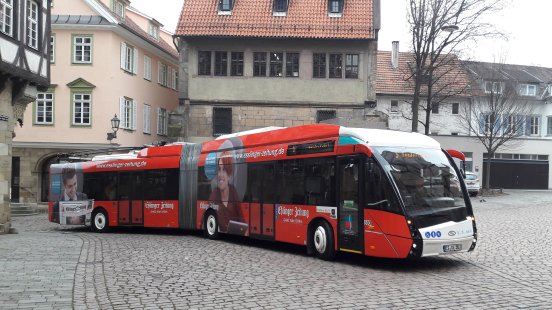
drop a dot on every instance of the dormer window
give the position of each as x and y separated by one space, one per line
335 7
493 87
225 6
119 8
153 30
528 90
280 7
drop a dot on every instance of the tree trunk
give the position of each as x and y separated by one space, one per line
488 172
415 106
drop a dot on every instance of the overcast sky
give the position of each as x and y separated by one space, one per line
525 22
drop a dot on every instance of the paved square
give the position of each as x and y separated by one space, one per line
50 266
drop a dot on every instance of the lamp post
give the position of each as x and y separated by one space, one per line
115 122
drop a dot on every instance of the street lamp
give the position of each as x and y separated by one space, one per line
115 121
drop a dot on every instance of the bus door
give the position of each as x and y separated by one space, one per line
350 231
261 187
130 199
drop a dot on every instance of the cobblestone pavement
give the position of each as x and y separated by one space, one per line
49 266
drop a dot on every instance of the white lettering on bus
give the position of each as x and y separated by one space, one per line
119 165
167 206
151 205
264 153
301 212
284 211
295 212
204 205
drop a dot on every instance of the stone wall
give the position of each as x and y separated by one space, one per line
247 117
31 160
6 132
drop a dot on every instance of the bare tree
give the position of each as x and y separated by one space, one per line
496 115
439 28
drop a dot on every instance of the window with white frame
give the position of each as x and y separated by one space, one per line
6 16
486 123
129 58
335 6
174 79
153 30
82 104
162 72
528 90
32 24
147 68
162 121
52 49
225 5
549 125
127 112
44 109
493 87
82 49
534 125
119 8
147 119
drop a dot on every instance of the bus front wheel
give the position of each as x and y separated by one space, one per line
211 225
323 241
99 221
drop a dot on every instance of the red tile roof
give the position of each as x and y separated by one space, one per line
253 18
453 76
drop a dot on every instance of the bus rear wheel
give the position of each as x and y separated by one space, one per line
100 221
211 225
323 241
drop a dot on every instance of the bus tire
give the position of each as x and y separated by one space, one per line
323 240
211 225
100 221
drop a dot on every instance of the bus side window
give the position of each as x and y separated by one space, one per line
100 186
378 190
254 181
261 186
203 185
320 180
291 176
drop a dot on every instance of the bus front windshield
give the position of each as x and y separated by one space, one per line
428 184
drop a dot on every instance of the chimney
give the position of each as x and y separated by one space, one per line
395 54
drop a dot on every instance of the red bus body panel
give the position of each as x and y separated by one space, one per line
386 234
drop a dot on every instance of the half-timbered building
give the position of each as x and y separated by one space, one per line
24 70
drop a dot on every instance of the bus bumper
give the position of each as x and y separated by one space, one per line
449 246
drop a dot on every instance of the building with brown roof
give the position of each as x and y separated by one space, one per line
523 163
249 63
395 88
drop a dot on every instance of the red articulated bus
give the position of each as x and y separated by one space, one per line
375 192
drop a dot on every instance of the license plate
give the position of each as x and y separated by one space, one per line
452 247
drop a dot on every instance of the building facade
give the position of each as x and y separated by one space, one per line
107 59
521 163
24 70
249 64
